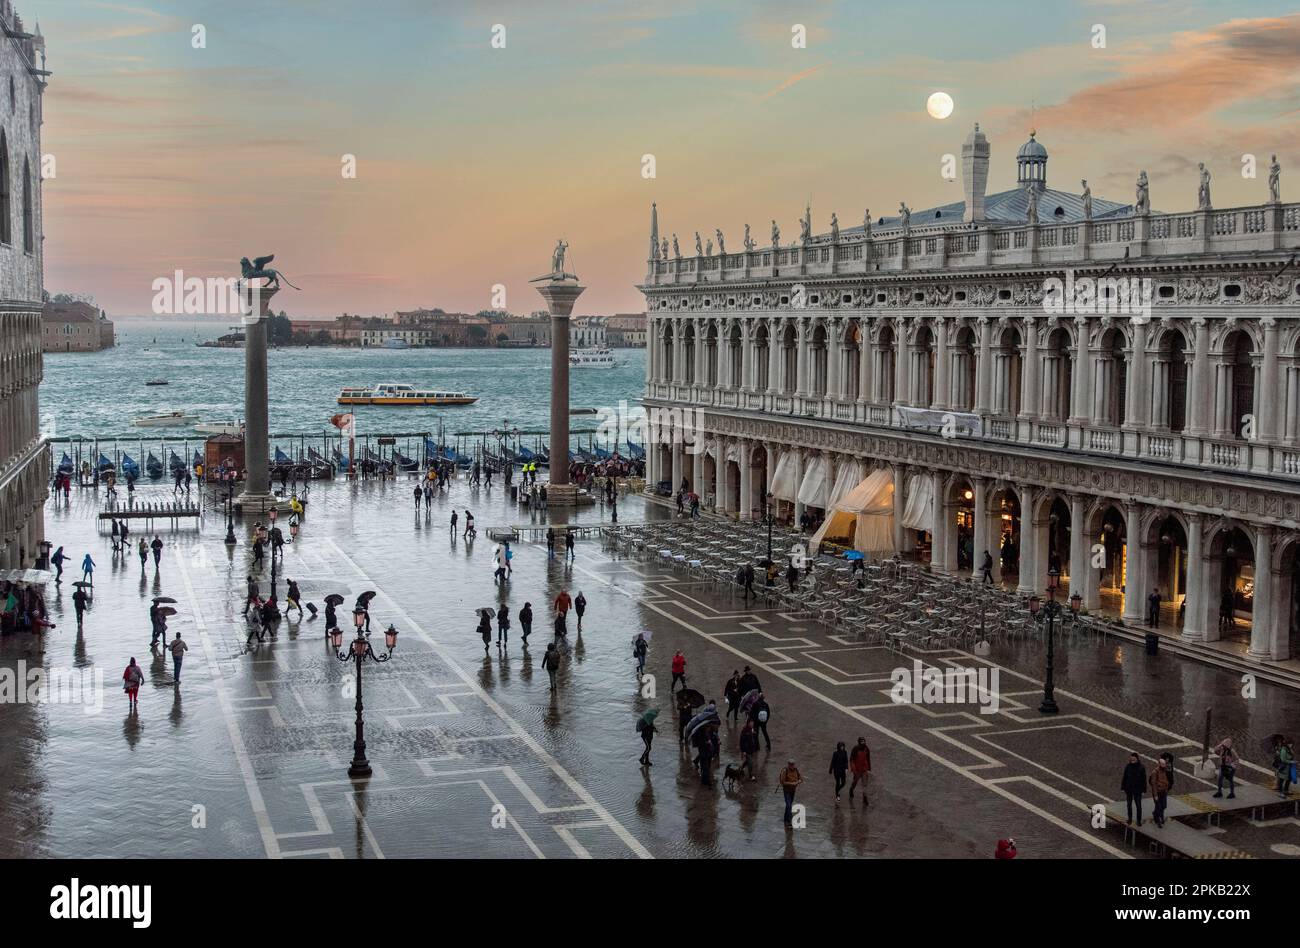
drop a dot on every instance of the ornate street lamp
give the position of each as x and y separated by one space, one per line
229 478
767 515
359 651
1050 611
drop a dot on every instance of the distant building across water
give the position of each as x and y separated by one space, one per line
75 327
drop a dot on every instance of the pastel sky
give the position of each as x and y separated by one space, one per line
472 160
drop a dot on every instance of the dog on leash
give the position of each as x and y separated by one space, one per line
730 775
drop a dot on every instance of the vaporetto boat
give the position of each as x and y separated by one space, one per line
391 393
592 359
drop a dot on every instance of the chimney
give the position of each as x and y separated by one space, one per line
975 173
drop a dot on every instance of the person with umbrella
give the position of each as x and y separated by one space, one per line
485 627
88 570
332 602
363 604
158 613
57 559
645 726
79 603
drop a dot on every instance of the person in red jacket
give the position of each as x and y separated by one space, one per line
679 669
860 766
1006 849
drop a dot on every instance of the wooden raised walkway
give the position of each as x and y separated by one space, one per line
1181 839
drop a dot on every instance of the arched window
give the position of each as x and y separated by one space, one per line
761 369
29 220
6 193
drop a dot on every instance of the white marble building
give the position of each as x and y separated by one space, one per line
1134 444
24 456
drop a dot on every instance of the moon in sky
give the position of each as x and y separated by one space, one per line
939 105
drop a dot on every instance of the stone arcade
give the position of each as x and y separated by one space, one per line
1132 451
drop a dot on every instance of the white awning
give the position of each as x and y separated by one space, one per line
918 510
847 478
812 492
864 516
783 485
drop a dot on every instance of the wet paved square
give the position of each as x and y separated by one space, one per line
473 756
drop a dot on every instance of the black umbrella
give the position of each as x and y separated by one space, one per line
333 599
158 599
486 611
364 599
690 697
82 584
166 611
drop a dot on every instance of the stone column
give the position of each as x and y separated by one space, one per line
1134 578
1194 605
1135 404
1199 409
775 357
1267 393
902 364
1262 618
560 293
900 501
802 343
866 353
1081 400
981 538
834 354
746 481
1031 579
984 367
697 475
1291 419
798 483
1030 372
675 447
1079 547
257 496
746 380
941 529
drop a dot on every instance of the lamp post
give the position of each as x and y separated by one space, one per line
1051 610
767 515
358 652
229 477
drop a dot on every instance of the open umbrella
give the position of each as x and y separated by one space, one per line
644 634
166 611
690 697
82 584
853 555
334 599
486 611
750 699
706 717
364 599
649 717
158 599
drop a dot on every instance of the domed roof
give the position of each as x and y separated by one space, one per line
1032 148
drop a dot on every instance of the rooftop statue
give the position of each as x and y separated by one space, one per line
1031 209
835 227
750 243
1274 182
1203 191
557 258
664 252
1143 203
905 217
866 223
699 249
1087 200
776 236
677 251
722 247
258 269
805 224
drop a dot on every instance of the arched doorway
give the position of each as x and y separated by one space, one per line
1238 352
1005 508
1169 382
1108 559
1167 569
711 357
735 357
1006 374
666 367
1286 612
1230 584
1111 380
754 504
961 507
1057 538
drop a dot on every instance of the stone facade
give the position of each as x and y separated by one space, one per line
75 327
1141 433
24 456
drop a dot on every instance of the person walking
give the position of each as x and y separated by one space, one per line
569 552
1282 762
1133 783
639 650
1153 608
116 532
706 742
79 603
1227 768
748 748
499 564
88 570
131 679
293 599
839 768
1159 784
57 559
789 779
258 551
503 626
986 568
125 533
732 695
142 550
156 546
179 648
469 524
269 614
647 729
748 681
526 620
454 517
157 625
551 662
562 604
579 607
510 555
759 714
550 543
253 594
792 575
860 765
485 630
747 580
419 495
679 670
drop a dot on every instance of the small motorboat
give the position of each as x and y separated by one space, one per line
171 419
156 382
231 427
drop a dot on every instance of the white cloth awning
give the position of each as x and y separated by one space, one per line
812 492
918 510
846 478
783 485
864 516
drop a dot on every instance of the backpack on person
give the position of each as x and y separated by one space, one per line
762 716
640 725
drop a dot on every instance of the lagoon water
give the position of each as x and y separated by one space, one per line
97 394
